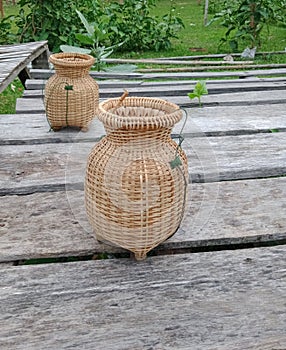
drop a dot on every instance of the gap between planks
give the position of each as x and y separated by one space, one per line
228 300
237 213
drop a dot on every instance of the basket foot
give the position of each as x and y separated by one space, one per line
56 128
84 129
139 256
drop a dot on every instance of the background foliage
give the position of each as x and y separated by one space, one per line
131 22
245 20
193 39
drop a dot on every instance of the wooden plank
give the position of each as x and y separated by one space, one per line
175 89
35 129
54 224
33 50
212 67
220 55
204 75
19 47
229 300
174 62
233 120
211 121
5 265
44 74
36 105
38 84
42 167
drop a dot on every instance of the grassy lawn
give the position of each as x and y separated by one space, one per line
194 39
9 96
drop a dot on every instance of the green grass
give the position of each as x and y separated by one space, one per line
194 39
9 96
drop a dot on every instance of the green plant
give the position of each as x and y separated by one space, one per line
95 34
6 34
9 96
245 20
129 22
200 89
133 23
48 20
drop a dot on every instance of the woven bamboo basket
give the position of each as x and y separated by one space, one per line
71 94
134 198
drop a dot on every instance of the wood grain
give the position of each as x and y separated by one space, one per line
42 167
224 300
54 224
15 58
145 89
44 74
210 121
36 105
220 300
39 83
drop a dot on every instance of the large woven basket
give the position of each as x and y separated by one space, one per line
134 197
71 94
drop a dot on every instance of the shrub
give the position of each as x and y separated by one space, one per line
6 35
245 20
131 22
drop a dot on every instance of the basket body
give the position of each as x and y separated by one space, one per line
71 94
134 198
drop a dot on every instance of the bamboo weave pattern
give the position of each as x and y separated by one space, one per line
134 198
71 94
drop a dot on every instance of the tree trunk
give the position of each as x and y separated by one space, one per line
1 8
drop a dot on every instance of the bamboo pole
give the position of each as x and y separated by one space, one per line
173 62
206 12
206 68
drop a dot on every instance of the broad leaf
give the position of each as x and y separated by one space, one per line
84 39
74 49
200 88
122 68
89 28
192 95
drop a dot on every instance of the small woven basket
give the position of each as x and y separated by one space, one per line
134 197
71 94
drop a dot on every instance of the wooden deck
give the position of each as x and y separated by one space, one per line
14 61
218 284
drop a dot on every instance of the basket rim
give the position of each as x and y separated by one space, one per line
173 113
59 59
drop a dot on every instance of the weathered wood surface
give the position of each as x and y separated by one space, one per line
33 167
220 55
145 89
228 300
170 61
213 121
44 74
221 300
15 58
190 68
36 105
54 224
39 84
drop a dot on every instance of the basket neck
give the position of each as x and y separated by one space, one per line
141 137
72 72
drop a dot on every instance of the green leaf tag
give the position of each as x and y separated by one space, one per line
175 162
